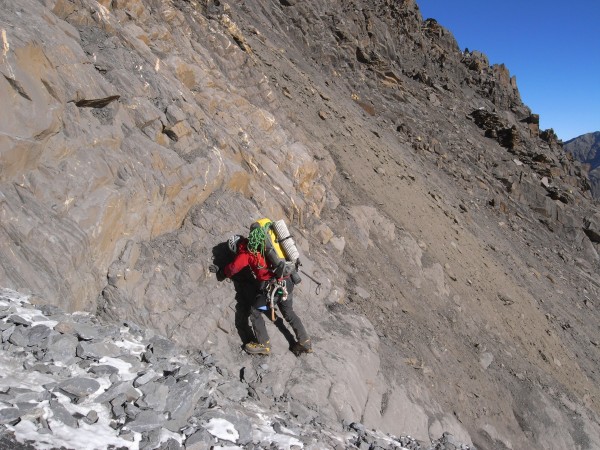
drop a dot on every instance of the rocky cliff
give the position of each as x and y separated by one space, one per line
455 242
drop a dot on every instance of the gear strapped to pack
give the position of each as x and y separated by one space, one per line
272 240
256 240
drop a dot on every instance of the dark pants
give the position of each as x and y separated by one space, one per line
286 309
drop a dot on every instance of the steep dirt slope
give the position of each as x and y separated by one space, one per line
456 243
508 316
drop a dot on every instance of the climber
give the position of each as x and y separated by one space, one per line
271 290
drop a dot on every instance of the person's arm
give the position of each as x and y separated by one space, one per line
240 261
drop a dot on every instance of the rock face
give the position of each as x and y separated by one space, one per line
586 148
455 243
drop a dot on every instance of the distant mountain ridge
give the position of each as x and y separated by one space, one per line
586 148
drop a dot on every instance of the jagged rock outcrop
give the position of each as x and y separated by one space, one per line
457 252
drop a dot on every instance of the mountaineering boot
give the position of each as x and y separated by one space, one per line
254 348
302 347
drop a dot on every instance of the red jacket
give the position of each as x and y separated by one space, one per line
244 258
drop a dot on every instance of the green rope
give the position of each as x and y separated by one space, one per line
256 239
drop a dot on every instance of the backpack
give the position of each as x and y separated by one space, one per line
277 246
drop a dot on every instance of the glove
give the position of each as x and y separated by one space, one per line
213 268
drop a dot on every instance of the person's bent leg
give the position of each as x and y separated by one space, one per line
242 314
258 324
262 346
290 316
303 344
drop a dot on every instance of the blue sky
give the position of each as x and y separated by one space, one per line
552 47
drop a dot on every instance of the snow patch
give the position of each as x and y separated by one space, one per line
123 367
89 437
222 429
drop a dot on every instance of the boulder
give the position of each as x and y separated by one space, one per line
79 387
591 227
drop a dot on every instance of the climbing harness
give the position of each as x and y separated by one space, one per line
276 290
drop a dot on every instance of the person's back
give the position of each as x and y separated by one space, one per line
255 260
